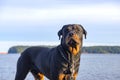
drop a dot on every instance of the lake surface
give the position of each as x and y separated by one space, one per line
93 67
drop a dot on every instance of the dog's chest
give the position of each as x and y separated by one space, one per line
67 65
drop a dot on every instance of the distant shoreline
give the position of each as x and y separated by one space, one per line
87 50
5 45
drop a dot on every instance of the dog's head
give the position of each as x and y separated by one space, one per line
71 36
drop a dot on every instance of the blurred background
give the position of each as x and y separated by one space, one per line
25 23
31 22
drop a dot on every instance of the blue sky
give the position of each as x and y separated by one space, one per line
40 20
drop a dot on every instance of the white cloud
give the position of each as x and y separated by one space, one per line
15 18
94 12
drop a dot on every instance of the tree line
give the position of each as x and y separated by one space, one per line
91 49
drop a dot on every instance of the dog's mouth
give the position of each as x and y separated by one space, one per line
73 45
72 42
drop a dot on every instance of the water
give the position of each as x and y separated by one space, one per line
93 67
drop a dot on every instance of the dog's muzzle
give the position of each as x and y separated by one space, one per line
72 39
72 42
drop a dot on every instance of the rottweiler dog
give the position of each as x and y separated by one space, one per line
58 63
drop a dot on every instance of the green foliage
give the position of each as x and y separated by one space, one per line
20 49
17 49
91 49
101 49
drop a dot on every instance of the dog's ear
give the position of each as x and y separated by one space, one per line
60 34
84 31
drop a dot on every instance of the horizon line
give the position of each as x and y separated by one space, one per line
5 45
57 43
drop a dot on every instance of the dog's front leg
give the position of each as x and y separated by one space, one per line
39 76
67 77
75 75
61 76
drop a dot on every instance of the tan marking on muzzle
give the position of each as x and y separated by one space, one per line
76 49
75 37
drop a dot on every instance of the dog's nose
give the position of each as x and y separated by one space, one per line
71 34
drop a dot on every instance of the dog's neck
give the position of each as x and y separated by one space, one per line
73 50
70 58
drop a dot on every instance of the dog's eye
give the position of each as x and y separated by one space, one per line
78 30
67 30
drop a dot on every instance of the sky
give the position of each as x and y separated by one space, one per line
40 20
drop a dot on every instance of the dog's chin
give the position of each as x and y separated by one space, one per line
73 46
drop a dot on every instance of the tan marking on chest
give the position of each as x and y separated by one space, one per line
73 50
